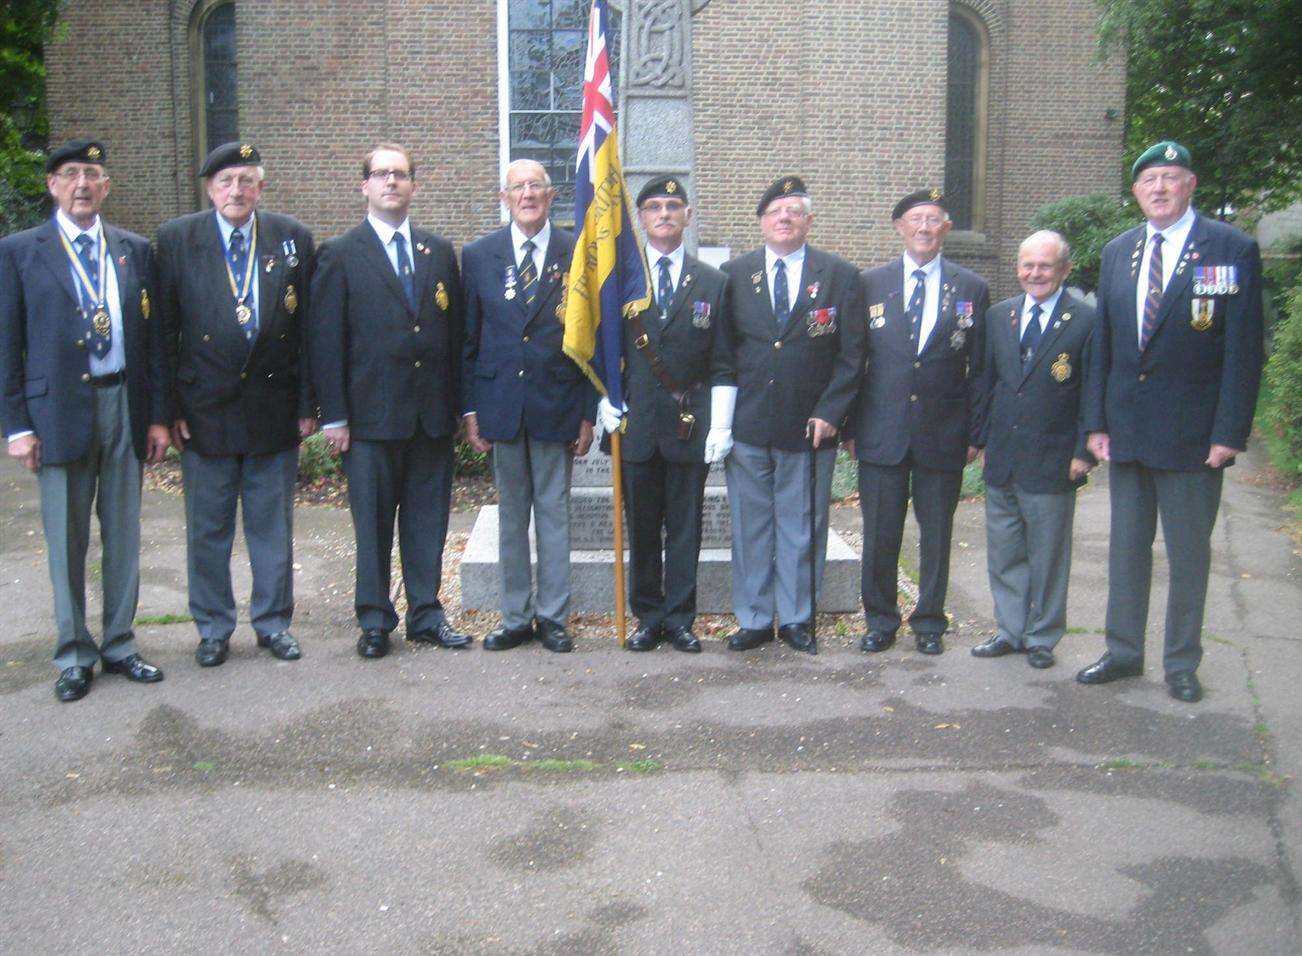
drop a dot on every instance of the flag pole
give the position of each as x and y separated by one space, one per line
617 503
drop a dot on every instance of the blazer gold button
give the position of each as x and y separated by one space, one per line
913 398
777 345
415 328
243 376
207 338
520 374
284 336
417 363
1143 377
526 338
80 343
85 376
917 365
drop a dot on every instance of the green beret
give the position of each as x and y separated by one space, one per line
227 155
786 186
1166 153
923 197
666 187
77 151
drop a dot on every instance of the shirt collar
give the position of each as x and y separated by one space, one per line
792 260
654 255
72 230
1178 228
1046 307
518 238
226 229
931 268
386 231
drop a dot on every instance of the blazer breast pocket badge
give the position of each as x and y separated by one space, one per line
877 315
700 315
291 299
1061 368
441 296
821 321
1202 310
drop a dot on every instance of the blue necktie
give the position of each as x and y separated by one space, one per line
665 292
1031 337
781 298
917 301
240 263
99 343
404 269
528 273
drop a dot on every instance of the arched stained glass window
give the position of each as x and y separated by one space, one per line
965 108
218 113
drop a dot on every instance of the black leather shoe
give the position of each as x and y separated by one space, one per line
136 668
929 643
1039 657
505 638
554 637
211 653
373 643
1184 686
645 638
73 683
875 641
995 647
798 637
684 640
746 638
1105 669
281 644
441 636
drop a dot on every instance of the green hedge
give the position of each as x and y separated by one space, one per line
1088 223
1279 413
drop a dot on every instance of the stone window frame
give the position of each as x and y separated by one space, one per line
199 17
981 125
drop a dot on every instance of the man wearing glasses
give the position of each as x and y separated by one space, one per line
526 402
914 421
386 337
81 403
232 298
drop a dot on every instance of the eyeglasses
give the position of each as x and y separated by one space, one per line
795 212
532 186
919 221
92 174
382 175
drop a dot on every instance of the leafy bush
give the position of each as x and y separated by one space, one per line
1280 411
315 461
1088 222
471 463
1281 270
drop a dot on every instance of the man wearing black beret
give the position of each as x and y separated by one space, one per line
914 426
1169 404
81 402
793 354
670 362
233 289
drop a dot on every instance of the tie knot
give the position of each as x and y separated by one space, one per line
237 239
919 275
1035 311
780 266
664 263
82 242
1157 238
528 247
399 239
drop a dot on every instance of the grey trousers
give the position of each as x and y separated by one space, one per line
768 493
1028 556
533 477
263 486
109 477
1187 502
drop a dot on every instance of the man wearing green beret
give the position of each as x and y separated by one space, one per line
1169 403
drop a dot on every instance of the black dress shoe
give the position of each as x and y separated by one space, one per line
73 683
441 636
1039 657
1184 686
799 638
746 638
645 638
373 643
875 641
1105 670
554 637
505 638
281 644
684 640
136 668
929 643
995 647
211 653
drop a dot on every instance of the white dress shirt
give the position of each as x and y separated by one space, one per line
116 359
931 304
1174 237
386 233
518 239
653 257
247 229
794 264
1046 310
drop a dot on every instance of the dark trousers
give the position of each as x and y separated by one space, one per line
412 479
884 492
664 496
1187 502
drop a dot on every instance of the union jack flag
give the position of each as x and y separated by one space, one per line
608 274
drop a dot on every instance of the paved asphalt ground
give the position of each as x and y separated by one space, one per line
606 802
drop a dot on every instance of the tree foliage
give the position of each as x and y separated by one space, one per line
25 27
1221 77
1087 222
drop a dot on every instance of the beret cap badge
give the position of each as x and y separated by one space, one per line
246 151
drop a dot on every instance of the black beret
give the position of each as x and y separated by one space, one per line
1166 153
667 186
77 151
923 197
786 186
227 155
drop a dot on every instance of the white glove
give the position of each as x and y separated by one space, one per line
718 441
608 415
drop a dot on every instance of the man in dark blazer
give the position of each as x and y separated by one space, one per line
232 298
913 423
81 402
1037 351
386 333
793 348
1173 385
670 362
527 402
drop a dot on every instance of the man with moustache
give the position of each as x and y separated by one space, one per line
82 403
232 284
792 352
1037 350
914 427
670 360
387 328
526 402
1170 401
